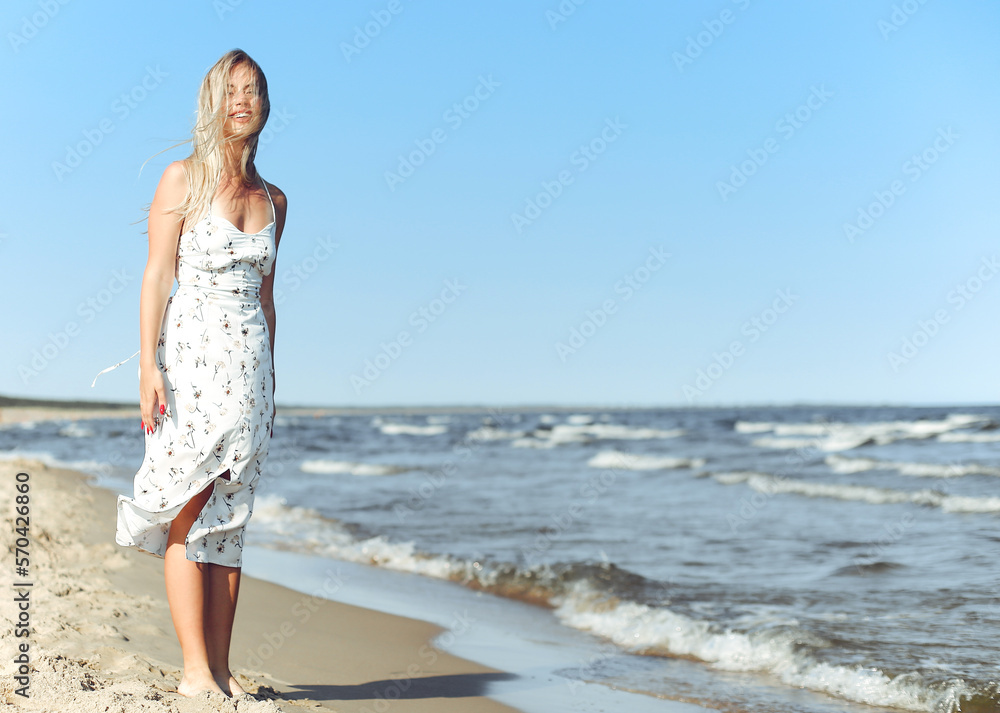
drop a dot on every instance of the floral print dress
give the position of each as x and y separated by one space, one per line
215 355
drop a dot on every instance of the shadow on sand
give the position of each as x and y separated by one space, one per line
463 685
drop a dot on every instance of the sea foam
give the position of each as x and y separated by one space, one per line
350 468
839 436
632 461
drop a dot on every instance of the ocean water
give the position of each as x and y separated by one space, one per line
795 558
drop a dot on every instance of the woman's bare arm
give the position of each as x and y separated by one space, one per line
157 279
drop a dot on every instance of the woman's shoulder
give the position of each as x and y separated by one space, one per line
175 169
278 196
173 185
276 192
175 176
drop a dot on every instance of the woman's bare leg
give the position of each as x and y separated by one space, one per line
186 584
223 592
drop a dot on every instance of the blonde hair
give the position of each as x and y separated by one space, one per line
203 167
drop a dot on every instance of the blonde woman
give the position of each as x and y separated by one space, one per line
206 375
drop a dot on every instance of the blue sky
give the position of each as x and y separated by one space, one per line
638 203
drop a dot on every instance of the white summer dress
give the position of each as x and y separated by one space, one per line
215 354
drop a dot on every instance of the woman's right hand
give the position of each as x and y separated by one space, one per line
152 397
158 277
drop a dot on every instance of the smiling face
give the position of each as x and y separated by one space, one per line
242 102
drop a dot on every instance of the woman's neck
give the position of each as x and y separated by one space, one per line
231 163
233 171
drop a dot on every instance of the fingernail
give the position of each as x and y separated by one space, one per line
163 409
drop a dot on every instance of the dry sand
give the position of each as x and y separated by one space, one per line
21 414
101 637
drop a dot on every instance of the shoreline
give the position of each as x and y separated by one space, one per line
432 654
102 638
56 410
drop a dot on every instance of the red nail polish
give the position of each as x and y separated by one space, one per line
163 409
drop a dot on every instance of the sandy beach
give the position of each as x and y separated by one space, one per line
22 414
101 637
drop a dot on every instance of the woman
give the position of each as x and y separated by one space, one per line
206 377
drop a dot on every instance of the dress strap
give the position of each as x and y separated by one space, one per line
274 214
102 371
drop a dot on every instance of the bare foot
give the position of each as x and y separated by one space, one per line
193 686
228 682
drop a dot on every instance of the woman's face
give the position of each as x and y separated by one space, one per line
242 100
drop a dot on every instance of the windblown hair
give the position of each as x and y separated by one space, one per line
203 167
